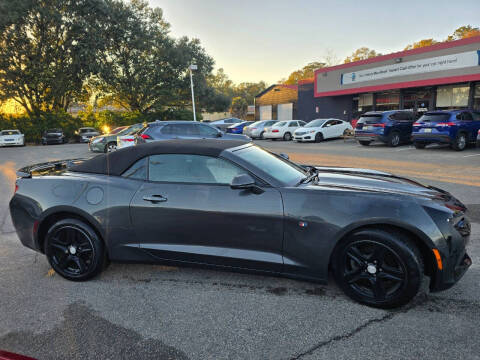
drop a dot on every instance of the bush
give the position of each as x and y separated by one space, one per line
33 128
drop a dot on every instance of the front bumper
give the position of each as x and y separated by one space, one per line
96 147
12 143
50 141
309 137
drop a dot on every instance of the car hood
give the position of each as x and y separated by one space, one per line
378 182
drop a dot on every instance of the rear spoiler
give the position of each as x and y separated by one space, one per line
47 167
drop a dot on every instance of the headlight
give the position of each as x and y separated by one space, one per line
97 140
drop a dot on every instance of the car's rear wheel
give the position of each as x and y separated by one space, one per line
364 143
111 146
419 145
74 250
393 139
318 137
261 135
378 268
460 142
287 136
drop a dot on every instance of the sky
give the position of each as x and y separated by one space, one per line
268 39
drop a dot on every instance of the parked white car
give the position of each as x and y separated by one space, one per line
321 129
11 137
283 130
257 129
128 139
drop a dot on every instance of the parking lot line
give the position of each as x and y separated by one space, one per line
471 155
406 148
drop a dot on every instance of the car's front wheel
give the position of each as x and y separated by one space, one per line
318 137
111 146
74 250
379 268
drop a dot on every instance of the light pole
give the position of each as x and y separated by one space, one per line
193 67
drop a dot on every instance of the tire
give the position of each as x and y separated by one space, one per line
419 145
110 147
318 137
393 139
378 268
364 143
74 250
287 136
460 142
261 135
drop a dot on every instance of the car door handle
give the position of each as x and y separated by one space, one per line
155 198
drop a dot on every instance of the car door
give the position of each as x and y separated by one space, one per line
469 124
203 131
328 130
186 211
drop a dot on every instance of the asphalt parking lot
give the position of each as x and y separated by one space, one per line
158 312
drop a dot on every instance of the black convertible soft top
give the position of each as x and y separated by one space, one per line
117 162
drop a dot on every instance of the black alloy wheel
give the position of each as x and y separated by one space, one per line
287 136
419 145
318 137
364 143
394 139
74 250
460 142
379 268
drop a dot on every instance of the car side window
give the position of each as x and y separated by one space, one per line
302 123
195 169
137 171
476 116
467 116
292 124
170 129
205 130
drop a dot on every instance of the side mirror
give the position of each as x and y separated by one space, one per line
219 134
242 181
285 156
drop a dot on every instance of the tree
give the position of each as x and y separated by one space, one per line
306 72
47 49
247 90
463 32
361 54
420 44
239 107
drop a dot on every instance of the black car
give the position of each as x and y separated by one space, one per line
233 205
53 136
168 130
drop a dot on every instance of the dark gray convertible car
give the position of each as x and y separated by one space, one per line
232 205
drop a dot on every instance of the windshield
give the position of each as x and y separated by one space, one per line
10 132
434 117
54 130
87 130
117 130
315 123
280 169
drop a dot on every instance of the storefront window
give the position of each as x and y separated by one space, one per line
452 97
365 103
387 101
476 97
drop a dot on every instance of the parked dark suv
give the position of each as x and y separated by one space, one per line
166 130
391 127
53 136
456 127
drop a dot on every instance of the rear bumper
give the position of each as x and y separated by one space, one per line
273 136
24 212
432 138
369 137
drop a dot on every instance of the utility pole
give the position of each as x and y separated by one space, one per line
193 67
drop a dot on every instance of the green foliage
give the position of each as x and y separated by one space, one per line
306 72
362 53
239 107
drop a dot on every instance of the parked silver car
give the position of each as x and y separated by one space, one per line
223 124
257 129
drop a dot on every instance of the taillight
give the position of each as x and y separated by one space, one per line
446 124
417 124
145 136
378 125
128 139
275 130
16 187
